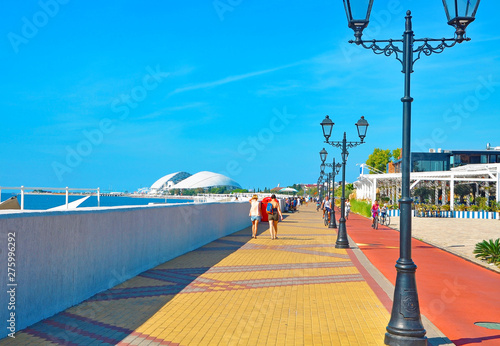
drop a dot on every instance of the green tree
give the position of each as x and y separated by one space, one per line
379 159
348 190
395 154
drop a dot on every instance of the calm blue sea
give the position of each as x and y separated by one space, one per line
43 202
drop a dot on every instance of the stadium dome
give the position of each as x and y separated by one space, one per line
206 180
166 182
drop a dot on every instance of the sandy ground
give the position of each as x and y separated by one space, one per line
458 236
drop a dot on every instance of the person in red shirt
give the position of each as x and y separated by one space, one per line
375 212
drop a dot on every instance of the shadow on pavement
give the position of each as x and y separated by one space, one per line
468 341
114 315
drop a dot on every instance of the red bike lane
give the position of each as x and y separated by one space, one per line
453 292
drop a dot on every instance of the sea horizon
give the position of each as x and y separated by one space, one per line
47 200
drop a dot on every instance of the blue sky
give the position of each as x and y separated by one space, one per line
116 94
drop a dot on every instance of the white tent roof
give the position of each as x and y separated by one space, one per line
367 184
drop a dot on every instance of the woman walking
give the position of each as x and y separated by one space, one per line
375 212
254 214
274 211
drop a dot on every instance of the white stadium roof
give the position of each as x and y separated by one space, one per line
173 177
205 180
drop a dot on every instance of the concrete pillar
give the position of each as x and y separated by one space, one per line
22 197
452 193
498 185
67 197
436 193
443 192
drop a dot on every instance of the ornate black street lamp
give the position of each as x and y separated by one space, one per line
335 171
327 126
321 182
320 187
317 187
405 326
322 155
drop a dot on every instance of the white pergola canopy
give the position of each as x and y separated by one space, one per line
367 184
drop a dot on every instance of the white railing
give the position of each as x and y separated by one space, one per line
242 195
51 189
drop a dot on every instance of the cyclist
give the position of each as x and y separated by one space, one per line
327 206
383 211
375 212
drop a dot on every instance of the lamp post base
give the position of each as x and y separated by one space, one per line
333 222
391 339
405 326
342 241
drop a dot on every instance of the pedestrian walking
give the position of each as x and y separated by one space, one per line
375 212
274 211
255 214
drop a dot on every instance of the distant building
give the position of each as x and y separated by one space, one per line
184 180
206 180
444 160
167 182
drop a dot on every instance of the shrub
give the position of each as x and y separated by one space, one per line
361 207
482 203
488 251
495 206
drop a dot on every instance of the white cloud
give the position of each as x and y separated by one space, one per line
230 79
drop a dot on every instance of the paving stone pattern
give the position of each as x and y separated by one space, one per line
295 290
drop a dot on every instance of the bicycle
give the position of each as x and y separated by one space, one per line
326 218
375 223
385 219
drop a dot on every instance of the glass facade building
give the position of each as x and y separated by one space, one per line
430 162
444 160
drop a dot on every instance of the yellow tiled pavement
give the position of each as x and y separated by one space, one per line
295 290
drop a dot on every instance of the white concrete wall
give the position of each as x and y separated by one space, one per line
63 258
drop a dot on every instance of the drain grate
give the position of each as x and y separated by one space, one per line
489 325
